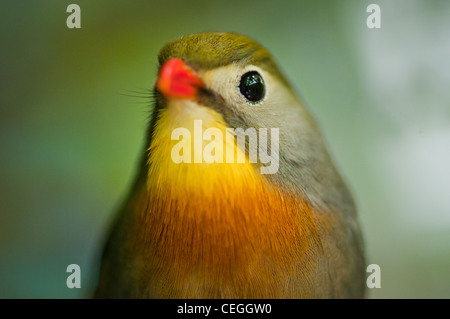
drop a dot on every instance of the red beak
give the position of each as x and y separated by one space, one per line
177 80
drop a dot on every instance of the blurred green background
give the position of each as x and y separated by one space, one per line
70 134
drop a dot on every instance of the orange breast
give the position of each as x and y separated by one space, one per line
251 244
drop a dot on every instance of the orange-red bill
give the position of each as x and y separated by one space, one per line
178 80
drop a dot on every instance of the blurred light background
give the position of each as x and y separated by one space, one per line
70 137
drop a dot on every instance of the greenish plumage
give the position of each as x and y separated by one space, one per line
306 171
211 50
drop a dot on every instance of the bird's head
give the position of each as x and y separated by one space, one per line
228 81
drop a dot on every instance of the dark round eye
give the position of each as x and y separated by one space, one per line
252 86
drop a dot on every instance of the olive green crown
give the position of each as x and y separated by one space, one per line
211 50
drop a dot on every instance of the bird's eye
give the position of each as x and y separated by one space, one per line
252 86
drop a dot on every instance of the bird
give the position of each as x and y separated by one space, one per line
200 223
